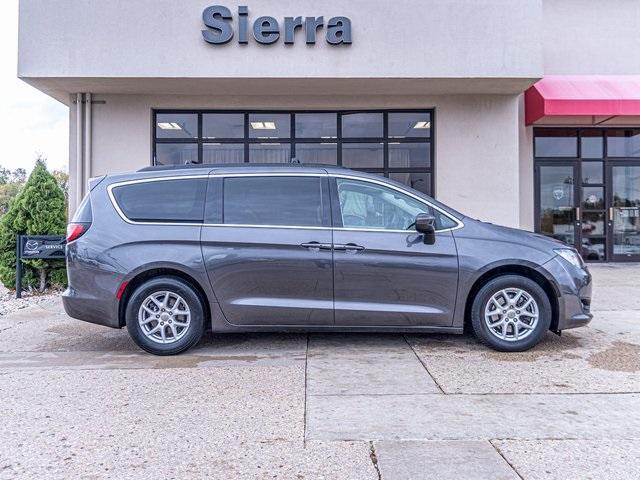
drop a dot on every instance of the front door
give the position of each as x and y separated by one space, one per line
590 207
588 190
557 202
624 210
571 206
384 273
268 249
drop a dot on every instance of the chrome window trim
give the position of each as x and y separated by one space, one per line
246 225
459 223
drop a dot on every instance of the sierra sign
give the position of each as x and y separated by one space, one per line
267 30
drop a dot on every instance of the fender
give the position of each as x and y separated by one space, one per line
467 279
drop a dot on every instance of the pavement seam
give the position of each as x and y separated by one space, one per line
306 369
424 365
374 459
485 394
515 470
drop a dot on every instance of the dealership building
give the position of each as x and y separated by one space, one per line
524 113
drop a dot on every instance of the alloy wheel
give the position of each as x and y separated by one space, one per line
164 317
511 314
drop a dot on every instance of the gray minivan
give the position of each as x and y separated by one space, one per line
170 252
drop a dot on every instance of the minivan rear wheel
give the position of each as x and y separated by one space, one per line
165 316
511 313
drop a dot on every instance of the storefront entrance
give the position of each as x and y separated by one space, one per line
588 190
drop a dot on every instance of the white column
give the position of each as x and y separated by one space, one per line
79 173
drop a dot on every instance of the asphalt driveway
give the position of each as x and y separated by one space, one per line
81 401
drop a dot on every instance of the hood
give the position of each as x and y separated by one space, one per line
499 233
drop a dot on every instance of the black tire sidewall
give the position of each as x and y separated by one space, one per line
180 287
510 281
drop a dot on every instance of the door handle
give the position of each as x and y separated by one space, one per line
349 247
316 246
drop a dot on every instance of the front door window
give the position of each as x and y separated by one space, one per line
370 206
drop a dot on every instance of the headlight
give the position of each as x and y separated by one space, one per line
570 256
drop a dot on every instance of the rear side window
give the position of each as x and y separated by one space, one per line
287 201
179 201
84 213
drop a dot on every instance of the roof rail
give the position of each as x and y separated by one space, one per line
156 168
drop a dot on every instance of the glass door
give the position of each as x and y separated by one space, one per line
624 211
588 190
557 212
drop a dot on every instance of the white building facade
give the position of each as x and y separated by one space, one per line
427 92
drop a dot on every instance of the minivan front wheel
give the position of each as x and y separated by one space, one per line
165 316
511 313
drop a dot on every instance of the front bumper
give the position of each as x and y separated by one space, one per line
573 287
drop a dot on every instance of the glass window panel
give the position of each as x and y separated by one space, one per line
176 125
623 143
418 181
362 155
269 125
591 143
214 153
626 211
163 201
269 153
362 125
293 201
409 124
593 249
593 198
316 125
222 125
365 205
324 153
557 212
593 223
556 143
176 153
409 155
592 172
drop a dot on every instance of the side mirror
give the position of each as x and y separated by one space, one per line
426 224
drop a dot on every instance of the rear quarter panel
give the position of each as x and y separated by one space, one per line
114 250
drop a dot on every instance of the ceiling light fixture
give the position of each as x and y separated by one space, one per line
169 126
422 125
263 125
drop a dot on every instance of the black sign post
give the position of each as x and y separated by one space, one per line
48 247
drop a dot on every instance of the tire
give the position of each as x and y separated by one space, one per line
179 320
521 330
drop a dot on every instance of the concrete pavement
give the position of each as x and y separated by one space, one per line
82 401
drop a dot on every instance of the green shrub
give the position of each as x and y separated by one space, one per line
38 209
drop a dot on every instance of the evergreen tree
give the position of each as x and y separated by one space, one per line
39 209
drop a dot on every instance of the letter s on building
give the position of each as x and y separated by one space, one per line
215 18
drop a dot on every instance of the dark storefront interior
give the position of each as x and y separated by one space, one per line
396 144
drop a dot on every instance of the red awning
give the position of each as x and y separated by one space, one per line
602 96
